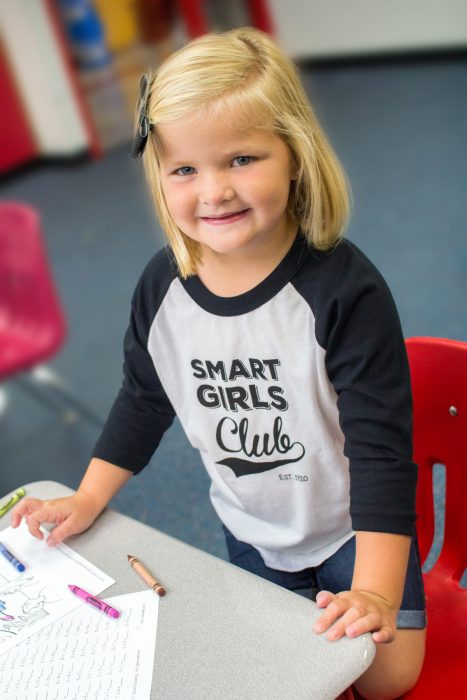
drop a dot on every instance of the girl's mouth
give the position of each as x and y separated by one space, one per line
223 219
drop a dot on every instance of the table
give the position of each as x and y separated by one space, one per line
223 633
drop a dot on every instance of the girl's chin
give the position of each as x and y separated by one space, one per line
223 246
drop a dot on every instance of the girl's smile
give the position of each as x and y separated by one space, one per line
222 219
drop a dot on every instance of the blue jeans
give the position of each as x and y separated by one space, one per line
335 575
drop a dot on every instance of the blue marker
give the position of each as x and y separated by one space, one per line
12 559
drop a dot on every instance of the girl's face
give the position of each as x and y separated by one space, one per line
227 188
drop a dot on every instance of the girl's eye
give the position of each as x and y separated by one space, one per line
242 160
185 170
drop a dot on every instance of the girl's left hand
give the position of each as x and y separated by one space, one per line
352 613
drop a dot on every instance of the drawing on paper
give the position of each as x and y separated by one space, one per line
23 601
3 615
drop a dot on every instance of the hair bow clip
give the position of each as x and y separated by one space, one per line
144 126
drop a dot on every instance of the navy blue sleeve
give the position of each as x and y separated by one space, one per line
358 326
141 412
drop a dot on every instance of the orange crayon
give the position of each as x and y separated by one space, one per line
145 575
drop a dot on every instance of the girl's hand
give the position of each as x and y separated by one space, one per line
71 515
352 613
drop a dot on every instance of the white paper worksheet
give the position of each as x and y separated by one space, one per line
35 598
86 654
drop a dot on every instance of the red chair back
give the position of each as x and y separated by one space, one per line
438 369
32 324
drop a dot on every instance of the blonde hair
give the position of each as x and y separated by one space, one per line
245 74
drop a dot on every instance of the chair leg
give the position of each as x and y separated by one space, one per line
60 395
3 401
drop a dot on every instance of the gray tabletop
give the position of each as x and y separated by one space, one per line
223 633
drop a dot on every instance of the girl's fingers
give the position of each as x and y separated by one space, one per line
353 623
351 620
324 598
335 609
385 635
342 619
70 515
40 516
61 532
363 623
24 508
34 522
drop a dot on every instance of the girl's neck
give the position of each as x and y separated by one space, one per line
232 275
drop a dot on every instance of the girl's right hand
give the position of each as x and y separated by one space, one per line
71 515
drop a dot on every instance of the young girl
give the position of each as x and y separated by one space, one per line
276 343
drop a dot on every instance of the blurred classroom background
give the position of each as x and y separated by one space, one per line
389 83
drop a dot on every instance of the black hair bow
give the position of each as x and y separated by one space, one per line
144 126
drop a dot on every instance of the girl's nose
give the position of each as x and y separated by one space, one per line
216 190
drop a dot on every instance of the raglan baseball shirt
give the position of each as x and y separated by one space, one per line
296 393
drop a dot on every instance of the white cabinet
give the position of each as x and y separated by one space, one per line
346 28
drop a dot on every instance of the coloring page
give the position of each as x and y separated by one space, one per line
39 595
87 654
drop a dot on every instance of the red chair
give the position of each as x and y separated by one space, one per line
438 370
32 323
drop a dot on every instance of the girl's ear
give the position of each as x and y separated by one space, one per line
293 167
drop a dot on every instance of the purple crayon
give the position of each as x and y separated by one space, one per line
95 602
